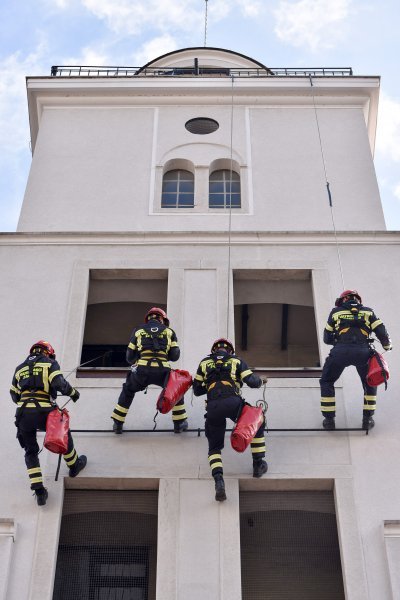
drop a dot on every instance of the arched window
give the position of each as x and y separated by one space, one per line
177 189
224 189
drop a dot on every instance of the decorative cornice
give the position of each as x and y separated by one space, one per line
199 238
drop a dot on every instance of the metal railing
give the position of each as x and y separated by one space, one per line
93 71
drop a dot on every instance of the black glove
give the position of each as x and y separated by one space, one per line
74 395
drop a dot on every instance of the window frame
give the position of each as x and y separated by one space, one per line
229 178
178 182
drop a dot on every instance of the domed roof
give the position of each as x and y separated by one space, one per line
206 59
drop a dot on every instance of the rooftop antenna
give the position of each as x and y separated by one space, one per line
205 25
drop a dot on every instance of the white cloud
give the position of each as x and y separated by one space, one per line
62 3
153 48
125 17
396 191
95 55
312 23
14 130
250 8
388 130
14 124
54 5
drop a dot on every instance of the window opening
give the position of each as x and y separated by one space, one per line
108 545
224 189
275 323
289 546
202 125
118 299
178 189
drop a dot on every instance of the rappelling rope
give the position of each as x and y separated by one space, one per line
327 182
230 213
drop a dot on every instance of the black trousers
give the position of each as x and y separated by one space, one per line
218 410
341 356
137 381
29 423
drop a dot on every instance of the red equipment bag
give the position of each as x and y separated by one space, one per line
57 426
246 428
178 383
378 370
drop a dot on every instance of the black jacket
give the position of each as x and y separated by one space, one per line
354 323
38 377
152 344
221 370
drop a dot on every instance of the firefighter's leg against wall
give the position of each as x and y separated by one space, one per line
179 416
369 398
74 462
215 433
31 446
331 372
28 424
129 388
27 439
257 445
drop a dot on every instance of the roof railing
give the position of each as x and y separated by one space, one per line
93 71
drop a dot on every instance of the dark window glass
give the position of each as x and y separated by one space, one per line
221 184
170 186
216 201
108 546
186 186
178 189
202 125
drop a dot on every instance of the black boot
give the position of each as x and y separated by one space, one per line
329 423
368 423
259 467
79 465
117 426
180 426
220 494
41 496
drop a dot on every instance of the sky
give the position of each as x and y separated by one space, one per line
36 34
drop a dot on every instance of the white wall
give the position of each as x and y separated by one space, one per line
98 161
44 293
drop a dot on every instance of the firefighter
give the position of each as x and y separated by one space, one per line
34 389
151 347
349 327
221 375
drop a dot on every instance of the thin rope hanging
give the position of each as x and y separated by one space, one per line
205 25
229 196
327 182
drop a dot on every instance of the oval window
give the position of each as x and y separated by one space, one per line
202 125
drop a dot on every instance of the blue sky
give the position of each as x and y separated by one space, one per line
36 34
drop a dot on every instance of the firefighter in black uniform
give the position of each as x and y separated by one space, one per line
151 347
221 375
34 389
348 329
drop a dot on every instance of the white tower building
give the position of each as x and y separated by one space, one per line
127 206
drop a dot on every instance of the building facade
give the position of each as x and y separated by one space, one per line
200 183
